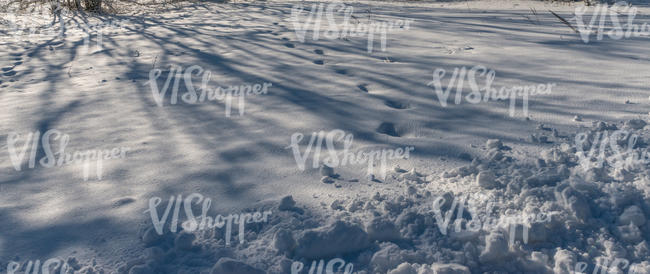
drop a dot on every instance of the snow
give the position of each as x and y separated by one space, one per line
459 203
230 266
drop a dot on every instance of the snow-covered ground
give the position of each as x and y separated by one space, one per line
245 153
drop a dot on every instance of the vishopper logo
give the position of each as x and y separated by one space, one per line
318 267
604 265
603 14
205 92
29 30
61 157
594 149
475 205
487 92
346 157
53 266
345 29
203 222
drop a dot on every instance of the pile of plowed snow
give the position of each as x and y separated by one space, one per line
581 206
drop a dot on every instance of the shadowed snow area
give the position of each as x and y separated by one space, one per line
240 155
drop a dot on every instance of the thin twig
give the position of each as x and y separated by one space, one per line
535 13
153 66
70 69
564 21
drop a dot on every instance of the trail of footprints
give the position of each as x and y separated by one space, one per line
386 128
16 59
9 70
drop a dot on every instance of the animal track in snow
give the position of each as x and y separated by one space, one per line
397 104
464 49
363 87
341 71
388 129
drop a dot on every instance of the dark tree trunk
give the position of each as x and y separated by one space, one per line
93 5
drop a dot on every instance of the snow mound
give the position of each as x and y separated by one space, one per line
566 209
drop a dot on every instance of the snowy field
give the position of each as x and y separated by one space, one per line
448 137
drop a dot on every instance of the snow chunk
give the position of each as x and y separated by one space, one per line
460 171
565 261
287 203
404 268
326 170
496 248
577 204
338 238
184 241
337 205
155 254
630 233
412 176
635 124
231 266
283 241
494 144
643 267
355 205
380 229
486 179
449 269
632 214
602 126
151 237
388 257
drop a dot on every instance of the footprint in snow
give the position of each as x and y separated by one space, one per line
319 51
363 87
123 201
341 71
388 60
397 104
388 129
454 50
